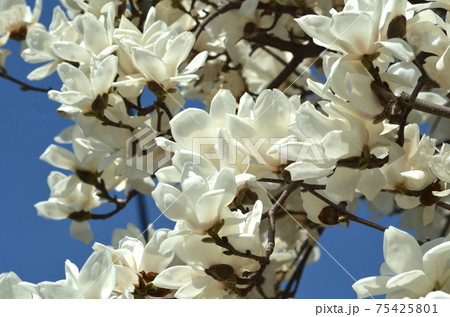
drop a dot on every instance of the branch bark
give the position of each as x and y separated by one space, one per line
425 106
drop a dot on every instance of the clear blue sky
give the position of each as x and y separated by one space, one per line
36 248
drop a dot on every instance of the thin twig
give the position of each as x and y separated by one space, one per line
286 72
23 86
426 106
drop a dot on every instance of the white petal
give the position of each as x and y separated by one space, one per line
318 27
43 71
81 231
50 290
371 182
223 103
170 201
105 75
274 107
52 210
341 144
435 263
343 183
208 209
401 251
177 50
95 35
428 214
149 64
308 170
59 157
97 276
361 97
399 48
198 61
74 79
70 52
371 286
175 277
9 287
415 281
193 125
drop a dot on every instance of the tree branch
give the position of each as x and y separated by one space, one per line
222 8
286 72
23 86
425 106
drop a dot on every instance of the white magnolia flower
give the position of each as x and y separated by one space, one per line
95 280
96 39
96 7
41 44
202 201
326 142
360 29
9 287
409 270
428 32
134 261
154 55
79 90
413 171
222 138
213 277
440 163
69 195
16 17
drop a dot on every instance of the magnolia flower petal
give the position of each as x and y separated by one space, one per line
428 214
104 75
43 71
308 170
170 201
436 263
174 277
97 276
52 210
177 50
343 183
50 290
81 231
59 157
371 286
198 61
192 128
414 281
10 288
71 52
401 251
372 181
223 103
74 79
149 64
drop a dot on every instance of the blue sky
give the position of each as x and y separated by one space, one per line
36 248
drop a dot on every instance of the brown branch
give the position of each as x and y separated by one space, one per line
342 209
224 243
222 8
86 215
295 278
226 6
272 213
286 72
23 86
425 106
443 205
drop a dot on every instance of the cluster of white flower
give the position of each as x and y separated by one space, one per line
274 159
